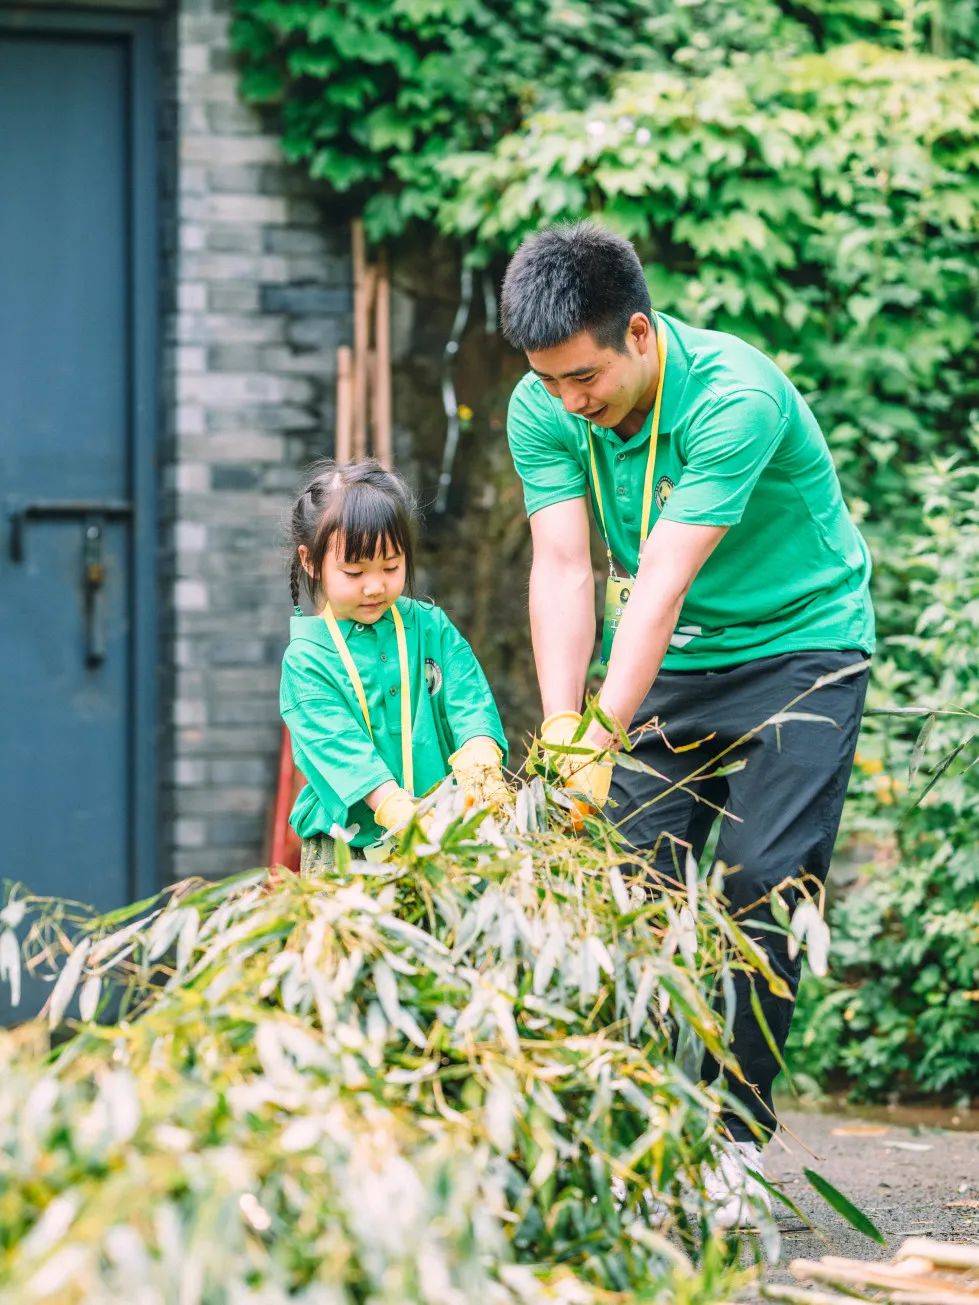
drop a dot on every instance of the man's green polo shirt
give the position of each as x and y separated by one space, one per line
450 699
738 447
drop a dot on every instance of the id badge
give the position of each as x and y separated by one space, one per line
617 591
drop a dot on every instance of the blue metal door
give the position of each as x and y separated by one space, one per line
77 404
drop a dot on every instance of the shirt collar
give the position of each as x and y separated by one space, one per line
314 627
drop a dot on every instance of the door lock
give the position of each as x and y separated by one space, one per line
94 514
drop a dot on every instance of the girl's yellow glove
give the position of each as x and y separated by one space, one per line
478 770
394 811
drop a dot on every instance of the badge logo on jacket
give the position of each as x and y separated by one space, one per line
433 676
664 488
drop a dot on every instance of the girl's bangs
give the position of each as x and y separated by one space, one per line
373 522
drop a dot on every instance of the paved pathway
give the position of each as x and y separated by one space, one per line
909 1180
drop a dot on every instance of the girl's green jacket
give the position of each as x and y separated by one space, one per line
451 702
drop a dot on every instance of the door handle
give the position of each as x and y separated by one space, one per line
59 509
93 578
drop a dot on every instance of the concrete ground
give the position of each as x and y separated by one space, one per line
911 1179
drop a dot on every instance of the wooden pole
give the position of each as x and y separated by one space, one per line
361 339
344 434
382 373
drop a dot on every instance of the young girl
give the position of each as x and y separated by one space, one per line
381 693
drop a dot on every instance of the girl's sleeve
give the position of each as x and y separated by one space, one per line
330 744
467 698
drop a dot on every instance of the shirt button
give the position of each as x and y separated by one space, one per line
358 626
393 690
622 491
384 657
620 457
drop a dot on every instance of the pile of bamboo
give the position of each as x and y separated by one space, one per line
923 1272
364 372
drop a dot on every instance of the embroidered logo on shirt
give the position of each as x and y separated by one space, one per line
664 488
433 676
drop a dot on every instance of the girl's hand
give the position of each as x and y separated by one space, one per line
478 770
396 808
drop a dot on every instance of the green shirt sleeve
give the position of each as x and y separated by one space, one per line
467 699
548 468
725 452
330 745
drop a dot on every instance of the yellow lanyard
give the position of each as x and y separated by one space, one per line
407 767
647 489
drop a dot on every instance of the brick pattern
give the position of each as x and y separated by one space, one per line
257 297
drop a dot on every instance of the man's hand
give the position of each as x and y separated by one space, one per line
556 734
586 772
593 780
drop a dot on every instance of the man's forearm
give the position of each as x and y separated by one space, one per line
640 645
562 627
671 558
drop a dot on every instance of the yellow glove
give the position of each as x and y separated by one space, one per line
394 811
593 780
477 767
559 729
587 773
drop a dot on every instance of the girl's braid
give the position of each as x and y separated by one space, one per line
294 571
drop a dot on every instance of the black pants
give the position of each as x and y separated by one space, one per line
784 805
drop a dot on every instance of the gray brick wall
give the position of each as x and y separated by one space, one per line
257 298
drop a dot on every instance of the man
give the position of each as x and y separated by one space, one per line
743 581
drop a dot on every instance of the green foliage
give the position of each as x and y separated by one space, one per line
373 97
901 1008
825 208
949 28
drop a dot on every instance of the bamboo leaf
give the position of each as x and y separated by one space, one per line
64 988
845 1207
88 998
920 744
10 964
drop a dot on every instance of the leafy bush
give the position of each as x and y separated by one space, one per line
901 1010
825 208
411 1081
374 97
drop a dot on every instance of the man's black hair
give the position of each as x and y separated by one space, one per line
568 279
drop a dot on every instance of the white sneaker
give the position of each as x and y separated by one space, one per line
655 1212
738 1198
